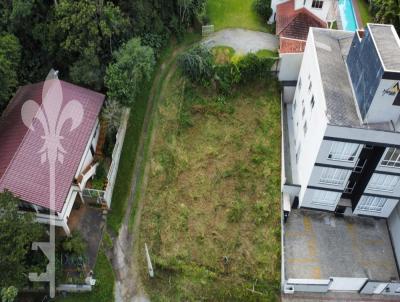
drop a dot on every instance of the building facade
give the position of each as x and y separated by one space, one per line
343 128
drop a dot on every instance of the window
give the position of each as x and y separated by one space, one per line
327 198
299 83
371 203
391 158
305 128
383 182
317 4
310 86
303 113
343 151
312 102
294 105
334 176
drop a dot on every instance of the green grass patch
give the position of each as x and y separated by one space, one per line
363 7
266 53
211 214
103 291
234 13
131 143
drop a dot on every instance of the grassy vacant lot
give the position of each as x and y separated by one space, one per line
363 7
233 13
211 207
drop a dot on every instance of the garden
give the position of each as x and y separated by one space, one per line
211 211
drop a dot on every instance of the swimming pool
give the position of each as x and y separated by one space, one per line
347 14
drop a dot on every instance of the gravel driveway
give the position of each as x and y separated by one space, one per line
242 40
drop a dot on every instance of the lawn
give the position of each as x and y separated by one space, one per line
234 13
103 291
211 214
363 7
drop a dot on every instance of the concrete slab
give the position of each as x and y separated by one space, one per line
319 245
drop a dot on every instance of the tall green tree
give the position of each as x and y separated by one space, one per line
387 11
10 55
134 64
17 231
88 32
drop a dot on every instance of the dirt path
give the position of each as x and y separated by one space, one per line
125 252
242 40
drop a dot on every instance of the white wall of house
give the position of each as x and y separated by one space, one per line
394 227
289 66
309 85
322 13
88 157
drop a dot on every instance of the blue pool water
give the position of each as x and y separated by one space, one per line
347 14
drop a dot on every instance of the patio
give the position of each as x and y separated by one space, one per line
90 222
319 245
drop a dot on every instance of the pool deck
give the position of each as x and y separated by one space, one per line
358 15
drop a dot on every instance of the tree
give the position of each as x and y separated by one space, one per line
112 115
17 232
10 55
133 66
387 11
197 64
8 294
88 32
263 9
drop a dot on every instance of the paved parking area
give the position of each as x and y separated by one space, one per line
319 245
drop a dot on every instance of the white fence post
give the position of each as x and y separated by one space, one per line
149 265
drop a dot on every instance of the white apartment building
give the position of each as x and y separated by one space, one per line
342 125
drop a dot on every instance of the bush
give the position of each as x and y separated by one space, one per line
100 177
227 76
197 64
263 8
252 67
74 244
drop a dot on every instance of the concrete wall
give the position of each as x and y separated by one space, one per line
289 66
315 117
394 227
321 13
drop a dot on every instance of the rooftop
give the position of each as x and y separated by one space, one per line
294 24
332 48
357 246
388 45
21 170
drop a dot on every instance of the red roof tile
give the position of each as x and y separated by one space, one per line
21 170
291 46
295 24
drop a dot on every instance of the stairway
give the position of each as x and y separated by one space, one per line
101 140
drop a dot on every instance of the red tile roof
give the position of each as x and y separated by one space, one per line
21 170
295 24
291 46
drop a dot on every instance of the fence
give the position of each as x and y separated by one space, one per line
207 29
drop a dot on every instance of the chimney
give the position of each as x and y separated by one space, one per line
374 66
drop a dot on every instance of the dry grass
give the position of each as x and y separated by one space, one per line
211 208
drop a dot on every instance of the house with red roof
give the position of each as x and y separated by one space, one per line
25 173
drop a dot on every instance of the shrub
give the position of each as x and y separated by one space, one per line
197 64
236 212
253 67
227 76
74 244
263 8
